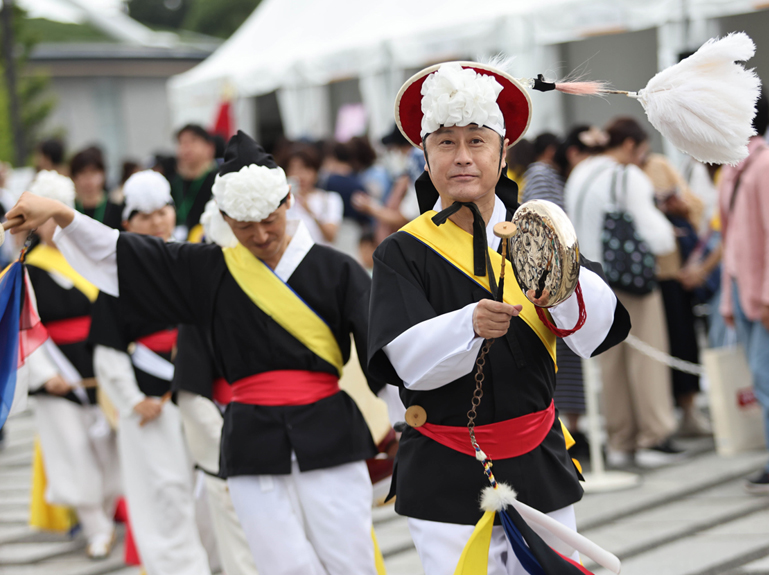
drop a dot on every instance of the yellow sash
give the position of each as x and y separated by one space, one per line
50 259
456 246
275 298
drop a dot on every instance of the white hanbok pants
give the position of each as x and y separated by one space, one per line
81 463
203 430
308 523
157 478
440 545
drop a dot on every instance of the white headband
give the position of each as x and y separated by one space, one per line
145 192
252 193
456 96
51 184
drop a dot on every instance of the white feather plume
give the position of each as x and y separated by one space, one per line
705 104
499 498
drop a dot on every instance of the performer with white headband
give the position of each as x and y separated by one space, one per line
133 362
433 306
78 446
279 311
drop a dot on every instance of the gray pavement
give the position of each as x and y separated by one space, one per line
693 518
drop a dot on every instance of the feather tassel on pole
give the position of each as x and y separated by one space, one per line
704 104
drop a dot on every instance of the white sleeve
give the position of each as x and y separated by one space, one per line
650 223
333 209
437 351
600 303
115 375
396 411
40 368
202 428
91 248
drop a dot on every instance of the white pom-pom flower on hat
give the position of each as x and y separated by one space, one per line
146 192
252 193
52 185
457 96
217 231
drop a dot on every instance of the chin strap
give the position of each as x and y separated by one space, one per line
580 322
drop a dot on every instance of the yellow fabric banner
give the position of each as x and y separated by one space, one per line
275 298
50 259
43 515
456 246
475 556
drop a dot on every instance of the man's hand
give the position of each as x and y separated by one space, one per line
729 320
149 408
57 386
491 319
765 316
36 211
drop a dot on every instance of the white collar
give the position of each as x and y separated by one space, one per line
498 215
297 248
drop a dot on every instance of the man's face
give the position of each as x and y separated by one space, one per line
159 223
464 162
89 181
192 150
263 239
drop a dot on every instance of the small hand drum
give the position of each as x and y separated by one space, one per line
544 251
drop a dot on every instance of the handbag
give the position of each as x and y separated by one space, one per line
628 263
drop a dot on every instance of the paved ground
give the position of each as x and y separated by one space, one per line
690 519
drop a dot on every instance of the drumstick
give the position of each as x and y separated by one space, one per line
505 231
7 225
166 396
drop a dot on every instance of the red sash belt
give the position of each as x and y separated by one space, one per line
222 391
70 330
162 341
503 440
285 387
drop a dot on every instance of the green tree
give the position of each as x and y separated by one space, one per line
220 18
36 103
167 14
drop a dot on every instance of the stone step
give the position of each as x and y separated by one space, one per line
76 563
713 551
663 486
34 552
648 530
407 563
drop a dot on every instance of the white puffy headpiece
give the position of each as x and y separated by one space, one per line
51 184
217 231
457 96
145 192
250 185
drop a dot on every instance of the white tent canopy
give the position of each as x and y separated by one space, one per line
298 46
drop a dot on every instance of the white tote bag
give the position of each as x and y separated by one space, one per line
737 419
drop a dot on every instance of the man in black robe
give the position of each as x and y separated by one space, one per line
433 307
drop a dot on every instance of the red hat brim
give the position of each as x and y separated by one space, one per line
513 102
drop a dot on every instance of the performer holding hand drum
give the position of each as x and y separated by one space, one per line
434 304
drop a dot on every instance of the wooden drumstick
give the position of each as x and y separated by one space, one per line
505 231
7 225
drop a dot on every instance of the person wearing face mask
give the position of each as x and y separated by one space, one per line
78 446
639 410
88 172
133 362
279 312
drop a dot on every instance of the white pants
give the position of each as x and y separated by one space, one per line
157 476
80 458
440 545
308 523
203 431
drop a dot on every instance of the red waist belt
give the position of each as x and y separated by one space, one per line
162 341
503 440
285 387
71 330
222 391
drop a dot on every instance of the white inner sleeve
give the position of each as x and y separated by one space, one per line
40 368
396 411
600 303
115 375
436 351
90 247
